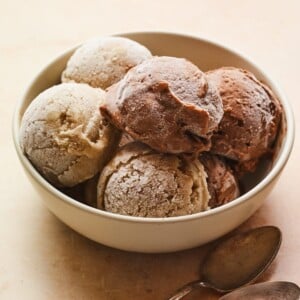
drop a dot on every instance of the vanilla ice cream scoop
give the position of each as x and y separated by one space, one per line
139 181
103 61
64 135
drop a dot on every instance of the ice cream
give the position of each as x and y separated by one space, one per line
166 103
221 181
125 139
103 61
64 135
164 140
251 116
139 181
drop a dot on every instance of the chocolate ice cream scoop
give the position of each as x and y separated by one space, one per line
103 61
167 103
221 181
139 181
251 116
64 135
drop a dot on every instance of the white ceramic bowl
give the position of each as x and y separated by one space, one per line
160 234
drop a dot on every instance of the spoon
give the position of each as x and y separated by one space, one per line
236 261
279 290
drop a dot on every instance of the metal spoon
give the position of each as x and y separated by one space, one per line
236 261
279 290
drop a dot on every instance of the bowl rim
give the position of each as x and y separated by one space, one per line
282 159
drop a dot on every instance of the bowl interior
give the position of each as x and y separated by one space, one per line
206 55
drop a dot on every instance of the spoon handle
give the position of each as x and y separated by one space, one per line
186 289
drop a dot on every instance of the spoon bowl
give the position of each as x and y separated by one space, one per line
237 261
241 258
279 290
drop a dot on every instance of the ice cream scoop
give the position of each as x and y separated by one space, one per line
166 103
222 184
103 61
139 181
64 135
251 118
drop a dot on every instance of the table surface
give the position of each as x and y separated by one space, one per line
41 258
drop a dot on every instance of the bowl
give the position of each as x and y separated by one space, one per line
154 235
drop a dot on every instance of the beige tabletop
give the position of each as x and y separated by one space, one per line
41 258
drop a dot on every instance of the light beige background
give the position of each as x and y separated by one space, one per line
40 258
